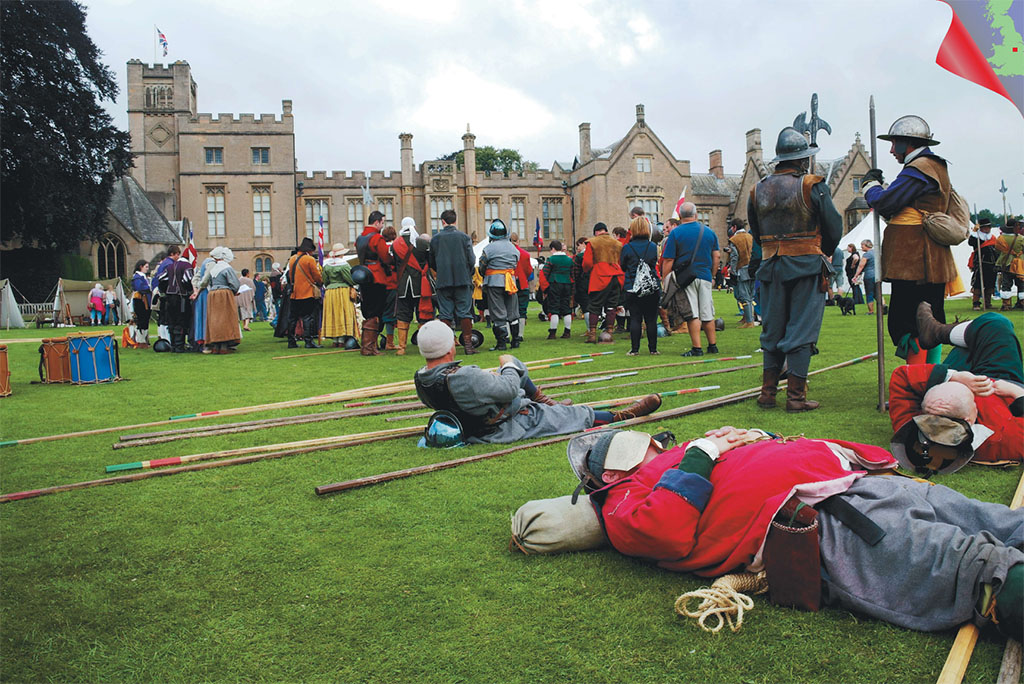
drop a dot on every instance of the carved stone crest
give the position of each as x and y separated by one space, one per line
441 184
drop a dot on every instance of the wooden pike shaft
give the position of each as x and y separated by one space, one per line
320 442
249 426
672 379
660 415
242 460
963 645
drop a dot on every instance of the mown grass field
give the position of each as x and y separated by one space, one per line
243 573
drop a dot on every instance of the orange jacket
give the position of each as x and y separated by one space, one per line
307 276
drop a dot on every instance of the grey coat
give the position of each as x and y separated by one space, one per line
499 254
485 393
451 256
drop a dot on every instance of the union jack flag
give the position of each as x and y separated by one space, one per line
163 40
320 239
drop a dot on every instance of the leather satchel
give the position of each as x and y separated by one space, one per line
792 557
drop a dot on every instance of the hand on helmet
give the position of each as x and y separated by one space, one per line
872 176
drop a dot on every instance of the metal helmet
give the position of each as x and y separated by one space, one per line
912 127
475 336
161 345
351 342
361 275
497 230
719 324
443 431
929 444
793 145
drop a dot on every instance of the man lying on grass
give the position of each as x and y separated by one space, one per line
503 406
895 548
968 408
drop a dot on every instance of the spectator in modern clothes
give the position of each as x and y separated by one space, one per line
97 304
642 305
866 273
691 244
742 243
852 262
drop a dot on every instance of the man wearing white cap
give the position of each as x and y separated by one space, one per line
503 406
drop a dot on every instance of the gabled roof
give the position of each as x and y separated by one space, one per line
138 215
710 184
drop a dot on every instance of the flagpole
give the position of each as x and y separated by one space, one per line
155 39
879 305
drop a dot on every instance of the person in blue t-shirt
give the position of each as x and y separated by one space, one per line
692 244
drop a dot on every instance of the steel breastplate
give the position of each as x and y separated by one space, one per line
781 210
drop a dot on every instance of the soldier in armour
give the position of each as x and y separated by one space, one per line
501 406
793 220
916 267
983 272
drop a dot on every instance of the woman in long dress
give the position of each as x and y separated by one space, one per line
222 331
199 305
246 299
339 319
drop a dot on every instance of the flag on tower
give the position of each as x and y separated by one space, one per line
163 40
537 241
320 240
190 250
679 204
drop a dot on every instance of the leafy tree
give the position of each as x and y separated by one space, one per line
491 159
985 213
60 150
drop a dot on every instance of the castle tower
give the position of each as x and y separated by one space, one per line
159 97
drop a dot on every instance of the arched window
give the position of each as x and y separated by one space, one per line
111 256
264 263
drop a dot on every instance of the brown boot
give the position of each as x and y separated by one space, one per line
931 333
648 404
369 338
542 398
591 337
663 314
1005 307
389 342
796 395
769 387
403 337
467 336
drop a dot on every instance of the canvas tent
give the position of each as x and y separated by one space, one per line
10 316
72 298
865 230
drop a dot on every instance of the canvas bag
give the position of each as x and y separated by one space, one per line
952 226
686 274
549 526
644 283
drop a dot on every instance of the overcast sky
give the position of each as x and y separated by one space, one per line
526 73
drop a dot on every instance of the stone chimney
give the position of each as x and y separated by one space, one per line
640 116
407 173
585 153
715 164
754 145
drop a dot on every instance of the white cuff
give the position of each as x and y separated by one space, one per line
707 446
870 184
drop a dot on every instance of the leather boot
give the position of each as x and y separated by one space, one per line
403 337
551 333
369 338
988 300
389 342
566 334
500 338
769 387
648 404
591 337
796 395
975 300
542 398
515 335
467 336
1006 306
178 340
931 333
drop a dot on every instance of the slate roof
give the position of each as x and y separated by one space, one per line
709 184
138 215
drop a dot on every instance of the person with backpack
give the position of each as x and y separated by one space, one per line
639 262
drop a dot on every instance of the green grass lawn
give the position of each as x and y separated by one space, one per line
243 573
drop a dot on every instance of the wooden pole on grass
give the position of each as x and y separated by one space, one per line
879 306
657 416
963 646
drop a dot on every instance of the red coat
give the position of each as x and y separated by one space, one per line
690 524
907 387
524 269
379 247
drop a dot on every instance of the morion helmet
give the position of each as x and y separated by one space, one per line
793 145
911 127
497 230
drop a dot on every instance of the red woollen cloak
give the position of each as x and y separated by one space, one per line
689 524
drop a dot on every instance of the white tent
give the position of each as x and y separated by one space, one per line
10 316
72 298
865 230
478 249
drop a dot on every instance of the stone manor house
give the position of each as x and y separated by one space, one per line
233 180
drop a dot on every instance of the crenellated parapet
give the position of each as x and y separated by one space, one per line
226 123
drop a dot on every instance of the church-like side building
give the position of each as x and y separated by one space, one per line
233 181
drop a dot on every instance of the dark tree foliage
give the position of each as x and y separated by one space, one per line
492 159
60 150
